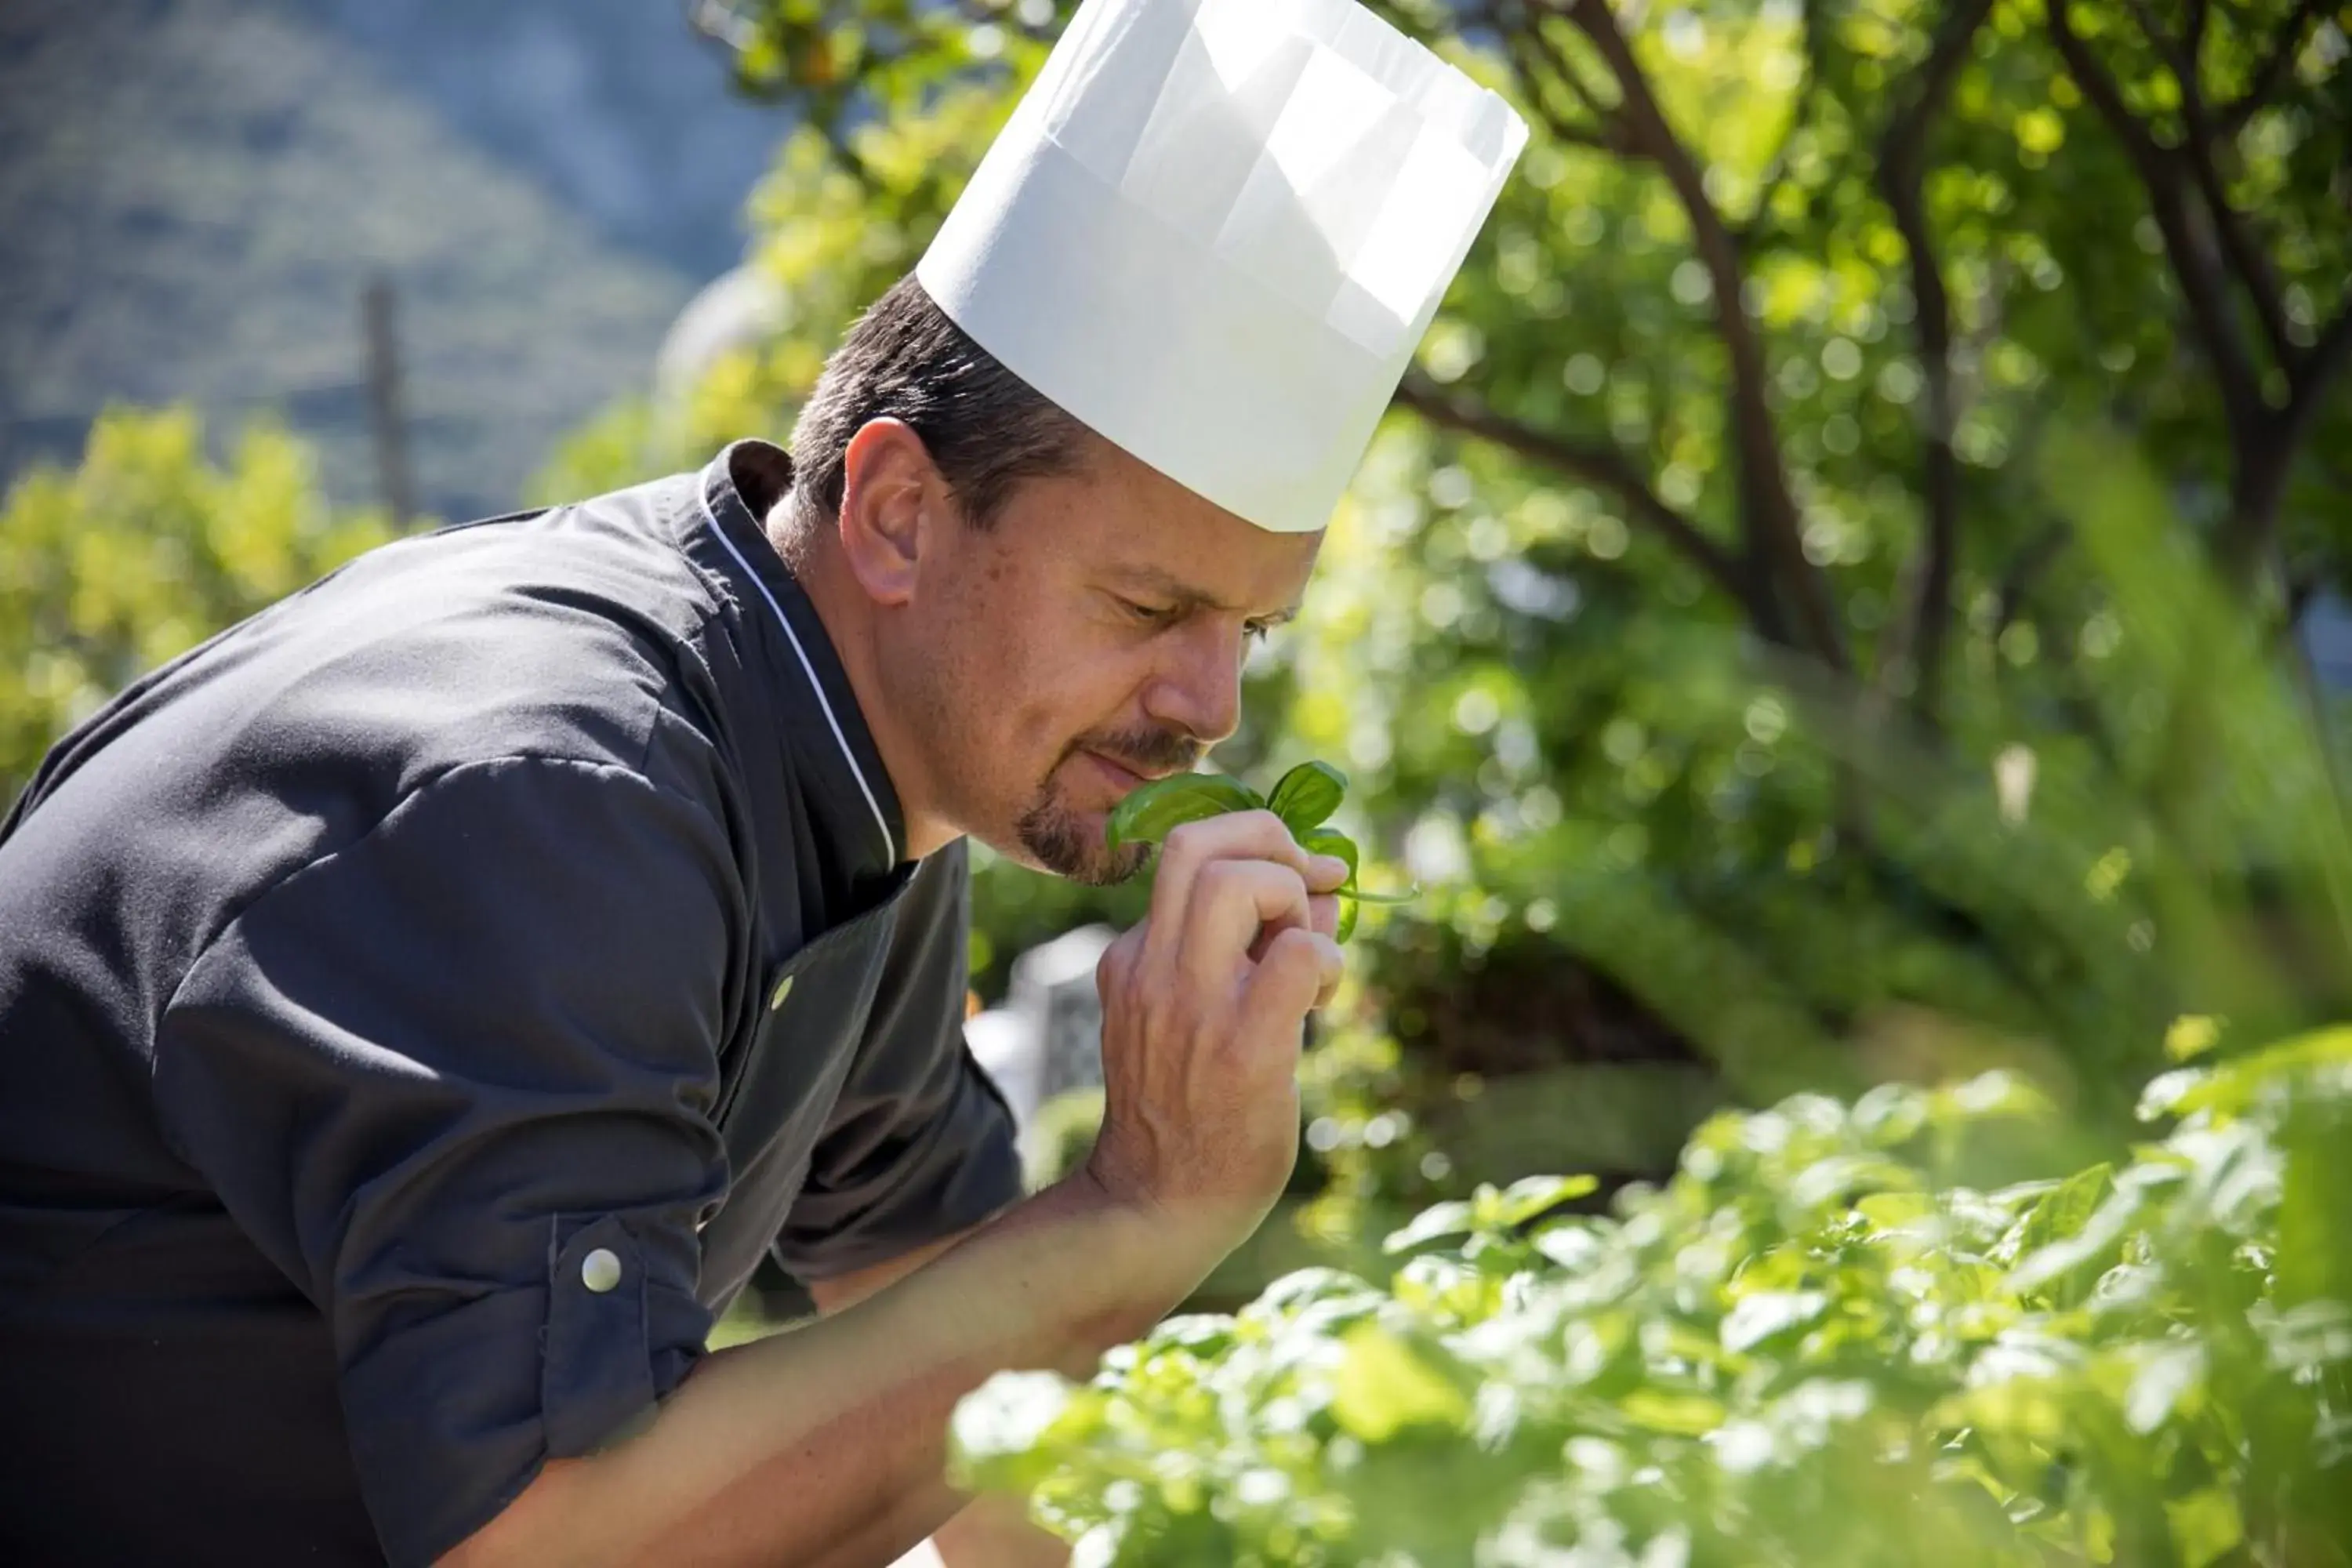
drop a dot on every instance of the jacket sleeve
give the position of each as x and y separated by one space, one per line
920 1144
456 1080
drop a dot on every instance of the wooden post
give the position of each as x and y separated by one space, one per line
387 419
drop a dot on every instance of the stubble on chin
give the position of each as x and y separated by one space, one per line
1068 842
1062 841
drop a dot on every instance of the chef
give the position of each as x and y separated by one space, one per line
423 1006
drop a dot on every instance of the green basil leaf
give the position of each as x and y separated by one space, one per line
1330 841
1307 796
1152 811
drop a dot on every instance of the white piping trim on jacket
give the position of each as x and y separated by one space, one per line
889 847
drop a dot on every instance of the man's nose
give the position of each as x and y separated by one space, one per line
1199 687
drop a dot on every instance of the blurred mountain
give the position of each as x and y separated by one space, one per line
193 194
614 106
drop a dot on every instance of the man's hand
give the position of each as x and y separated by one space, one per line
1205 1005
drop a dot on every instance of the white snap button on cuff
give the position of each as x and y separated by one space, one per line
599 1270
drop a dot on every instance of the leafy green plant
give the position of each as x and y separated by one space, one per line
1815 1343
1303 799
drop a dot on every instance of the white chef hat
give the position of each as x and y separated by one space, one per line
1214 231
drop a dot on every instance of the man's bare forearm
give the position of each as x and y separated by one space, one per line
826 1446
988 1532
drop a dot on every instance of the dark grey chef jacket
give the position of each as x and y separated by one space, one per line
420 1006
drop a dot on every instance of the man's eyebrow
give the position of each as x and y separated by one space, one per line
1189 597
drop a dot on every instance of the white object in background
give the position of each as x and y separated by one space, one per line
1048 1037
923 1556
1053 989
1214 231
1009 1049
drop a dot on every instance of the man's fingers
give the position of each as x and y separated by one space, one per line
1323 913
1205 1005
1119 961
1236 836
1236 905
1300 971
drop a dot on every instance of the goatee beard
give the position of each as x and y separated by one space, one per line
1057 839
1057 836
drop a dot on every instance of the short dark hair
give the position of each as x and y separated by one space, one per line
986 428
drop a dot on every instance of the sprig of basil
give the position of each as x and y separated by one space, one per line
1152 811
1307 796
1303 799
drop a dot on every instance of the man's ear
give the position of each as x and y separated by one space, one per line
892 494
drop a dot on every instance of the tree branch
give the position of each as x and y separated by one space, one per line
1530 49
846 153
1921 634
2183 52
1771 508
2255 273
2206 257
2253 269
1599 135
2157 34
2318 366
2261 485
1593 463
2264 86
1776 170
1568 73
2031 561
2203 282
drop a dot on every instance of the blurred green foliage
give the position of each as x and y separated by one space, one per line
146 549
1816 1342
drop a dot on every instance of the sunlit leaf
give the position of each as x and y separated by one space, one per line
2206 1526
1307 795
1384 1385
2164 1381
1435 1223
1665 1410
1770 1314
997 1433
1530 1196
2232 1087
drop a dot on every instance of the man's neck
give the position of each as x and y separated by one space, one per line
814 560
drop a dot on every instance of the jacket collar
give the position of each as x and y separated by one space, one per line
828 735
